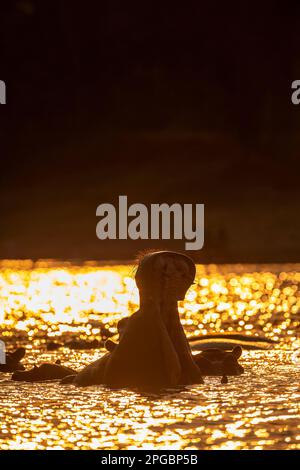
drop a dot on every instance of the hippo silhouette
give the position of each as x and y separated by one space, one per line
12 361
43 372
215 361
153 351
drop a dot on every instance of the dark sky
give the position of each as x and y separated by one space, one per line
189 103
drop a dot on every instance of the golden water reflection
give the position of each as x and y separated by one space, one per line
260 409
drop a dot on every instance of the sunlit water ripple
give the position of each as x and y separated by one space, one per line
260 409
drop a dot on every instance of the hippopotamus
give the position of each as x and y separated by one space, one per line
226 341
153 351
12 361
43 372
214 361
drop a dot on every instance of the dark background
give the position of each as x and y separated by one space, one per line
182 103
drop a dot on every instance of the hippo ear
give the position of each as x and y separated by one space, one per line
237 351
18 354
122 325
110 345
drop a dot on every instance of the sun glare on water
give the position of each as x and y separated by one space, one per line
50 297
49 300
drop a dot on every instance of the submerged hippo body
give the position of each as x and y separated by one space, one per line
43 372
77 344
12 361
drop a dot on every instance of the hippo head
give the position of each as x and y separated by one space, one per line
12 361
26 375
214 361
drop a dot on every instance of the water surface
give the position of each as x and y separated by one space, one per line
258 410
